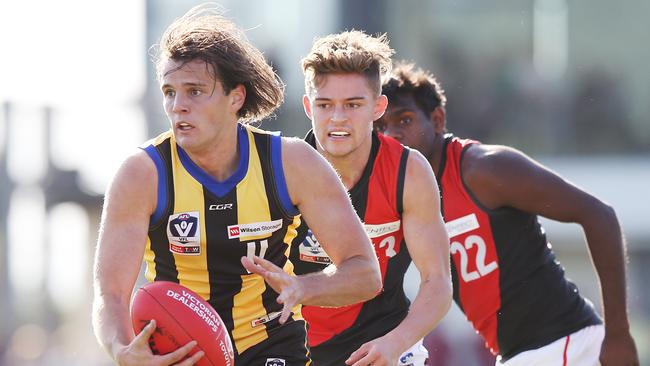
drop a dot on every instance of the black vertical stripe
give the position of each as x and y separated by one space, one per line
401 174
164 260
441 170
274 253
359 193
223 254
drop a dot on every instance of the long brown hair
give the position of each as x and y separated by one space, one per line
204 34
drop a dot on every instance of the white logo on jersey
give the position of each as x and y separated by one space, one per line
265 319
275 362
311 251
254 229
184 233
462 225
375 231
223 206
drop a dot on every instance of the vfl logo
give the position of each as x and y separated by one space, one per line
311 251
184 234
274 362
406 359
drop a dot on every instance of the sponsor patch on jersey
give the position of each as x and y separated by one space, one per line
266 318
462 225
275 362
311 251
254 229
184 233
220 207
406 359
375 231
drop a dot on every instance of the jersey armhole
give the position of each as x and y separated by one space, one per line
161 197
401 174
467 189
280 181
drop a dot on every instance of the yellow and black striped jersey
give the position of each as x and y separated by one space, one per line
201 228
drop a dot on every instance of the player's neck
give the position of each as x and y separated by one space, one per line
435 155
350 167
221 158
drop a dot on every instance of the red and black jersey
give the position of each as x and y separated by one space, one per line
334 333
506 278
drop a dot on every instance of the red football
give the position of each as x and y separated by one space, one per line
181 316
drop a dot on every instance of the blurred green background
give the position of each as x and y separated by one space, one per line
568 82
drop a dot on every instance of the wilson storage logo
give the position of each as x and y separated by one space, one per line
254 229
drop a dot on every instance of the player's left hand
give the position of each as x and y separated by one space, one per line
378 352
289 288
619 350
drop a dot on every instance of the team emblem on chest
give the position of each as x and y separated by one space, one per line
184 233
311 251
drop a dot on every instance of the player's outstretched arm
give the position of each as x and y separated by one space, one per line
128 204
323 202
501 176
428 244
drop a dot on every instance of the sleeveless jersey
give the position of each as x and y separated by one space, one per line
377 199
506 278
201 228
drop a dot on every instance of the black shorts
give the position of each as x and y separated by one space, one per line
286 346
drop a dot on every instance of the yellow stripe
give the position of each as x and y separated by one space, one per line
149 255
288 267
247 308
253 206
150 271
192 269
291 234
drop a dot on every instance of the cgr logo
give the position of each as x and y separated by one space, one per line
220 207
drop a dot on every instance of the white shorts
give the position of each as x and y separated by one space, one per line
414 356
581 348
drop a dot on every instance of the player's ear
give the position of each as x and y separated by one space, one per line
437 118
306 104
237 96
380 107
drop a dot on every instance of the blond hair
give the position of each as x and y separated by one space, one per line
348 52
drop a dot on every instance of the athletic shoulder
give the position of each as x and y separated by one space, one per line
135 180
303 164
417 164
298 154
497 162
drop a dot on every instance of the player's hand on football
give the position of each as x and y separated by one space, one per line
378 352
289 288
618 349
139 353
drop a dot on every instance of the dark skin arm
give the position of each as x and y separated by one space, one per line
504 177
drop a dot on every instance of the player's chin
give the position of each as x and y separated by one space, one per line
338 150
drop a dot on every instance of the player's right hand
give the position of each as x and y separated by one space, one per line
288 287
138 352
